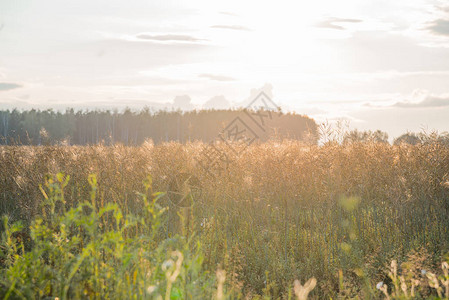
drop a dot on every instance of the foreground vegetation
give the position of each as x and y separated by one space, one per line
280 211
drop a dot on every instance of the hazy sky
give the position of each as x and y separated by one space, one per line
380 64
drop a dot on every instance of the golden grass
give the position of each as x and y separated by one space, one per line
280 212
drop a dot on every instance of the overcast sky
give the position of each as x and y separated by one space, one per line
381 64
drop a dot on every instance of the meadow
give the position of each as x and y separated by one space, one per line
357 220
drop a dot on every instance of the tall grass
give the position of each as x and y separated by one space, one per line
281 211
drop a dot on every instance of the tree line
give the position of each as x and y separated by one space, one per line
47 127
410 138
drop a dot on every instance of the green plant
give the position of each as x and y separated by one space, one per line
99 252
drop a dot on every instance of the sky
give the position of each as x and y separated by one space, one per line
378 64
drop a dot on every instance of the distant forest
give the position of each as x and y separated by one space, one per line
47 127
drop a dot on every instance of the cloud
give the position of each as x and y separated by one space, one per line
231 27
442 8
133 57
331 23
217 102
157 80
429 101
440 26
228 13
379 50
217 77
310 111
267 88
169 38
398 120
183 102
8 86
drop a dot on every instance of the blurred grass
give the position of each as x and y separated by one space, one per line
281 211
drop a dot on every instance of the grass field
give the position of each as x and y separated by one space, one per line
150 222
